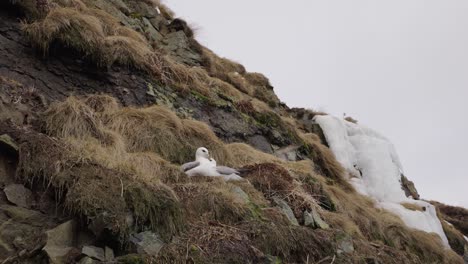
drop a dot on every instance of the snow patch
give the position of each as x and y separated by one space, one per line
375 171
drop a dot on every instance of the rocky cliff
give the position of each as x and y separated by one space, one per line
100 103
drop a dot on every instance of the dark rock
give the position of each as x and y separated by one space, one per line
314 220
288 153
238 192
261 143
88 260
109 254
59 242
409 188
19 195
149 29
286 209
94 252
177 43
147 243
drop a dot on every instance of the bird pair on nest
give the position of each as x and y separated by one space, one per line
206 166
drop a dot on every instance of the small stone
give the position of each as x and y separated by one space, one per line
87 260
314 220
152 32
318 220
19 195
147 243
109 253
286 210
60 242
345 245
94 252
240 194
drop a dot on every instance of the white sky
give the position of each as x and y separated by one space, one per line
399 66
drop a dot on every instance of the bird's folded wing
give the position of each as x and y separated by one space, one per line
190 165
226 170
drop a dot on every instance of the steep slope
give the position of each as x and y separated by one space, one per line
100 103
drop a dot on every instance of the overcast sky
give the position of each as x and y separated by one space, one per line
399 66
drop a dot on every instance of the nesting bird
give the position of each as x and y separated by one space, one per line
206 166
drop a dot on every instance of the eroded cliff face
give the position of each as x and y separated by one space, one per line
100 103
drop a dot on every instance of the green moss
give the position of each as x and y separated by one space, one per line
255 210
267 119
133 259
136 15
200 97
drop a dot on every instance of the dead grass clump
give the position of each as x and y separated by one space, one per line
212 242
96 192
246 107
217 66
270 178
413 207
101 103
130 52
324 160
98 36
257 79
150 167
73 118
225 89
362 212
290 243
148 129
458 216
212 200
428 247
262 88
243 154
275 181
187 79
238 81
76 29
350 119
455 238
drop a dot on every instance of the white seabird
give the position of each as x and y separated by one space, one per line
206 166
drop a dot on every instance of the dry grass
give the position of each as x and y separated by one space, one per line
243 154
358 217
153 129
97 35
262 88
217 66
413 207
350 119
324 160
94 191
275 181
212 199
238 81
458 216
74 118
130 170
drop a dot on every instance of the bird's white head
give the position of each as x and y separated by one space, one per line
213 161
202 153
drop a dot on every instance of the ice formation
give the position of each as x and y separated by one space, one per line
375 171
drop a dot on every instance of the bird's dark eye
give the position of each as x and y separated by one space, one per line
204 150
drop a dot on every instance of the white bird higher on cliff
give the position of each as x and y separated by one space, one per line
206 166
